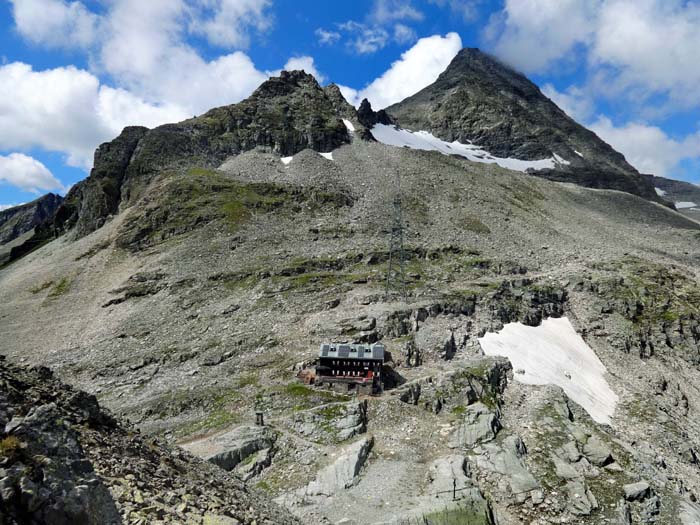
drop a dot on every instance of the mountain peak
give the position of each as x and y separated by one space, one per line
482 101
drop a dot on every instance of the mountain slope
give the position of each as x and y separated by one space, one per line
684 195
479 100
220 271
19 220
286 114
188 323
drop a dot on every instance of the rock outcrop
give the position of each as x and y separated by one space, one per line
63 460
479 424
230 449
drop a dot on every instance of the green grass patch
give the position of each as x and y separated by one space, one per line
60 288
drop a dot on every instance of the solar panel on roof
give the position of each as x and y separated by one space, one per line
344 351
324 352
378 352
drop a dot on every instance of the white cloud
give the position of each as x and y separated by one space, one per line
55 23
468 10
144 48
305 63
327 37
533 34
647 148
27 173
404 34
574 101
652 44
67 110
141 45
634 49
226 22
385 11
418 67
367 39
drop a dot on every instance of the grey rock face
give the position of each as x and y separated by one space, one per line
689 513
564 469
343 472
447 474
235 446
478 99
480 425
21 219
332 423
67 491
449 479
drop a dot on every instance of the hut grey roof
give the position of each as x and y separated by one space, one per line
373 352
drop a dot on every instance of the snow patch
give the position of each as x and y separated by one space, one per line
286 160
578 153
560 160
394 136
683 205
553 353
328 155
349 125
660 192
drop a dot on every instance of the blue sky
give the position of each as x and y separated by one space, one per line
73 73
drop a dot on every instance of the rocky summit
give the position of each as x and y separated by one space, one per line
481 100
501 346
17 224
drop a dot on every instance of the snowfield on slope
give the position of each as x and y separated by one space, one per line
683 205
553 353
394 136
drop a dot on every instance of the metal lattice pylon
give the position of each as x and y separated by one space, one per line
396 273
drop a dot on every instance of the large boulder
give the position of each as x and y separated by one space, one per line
343 472
637 491
332 423
597 452
448 474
